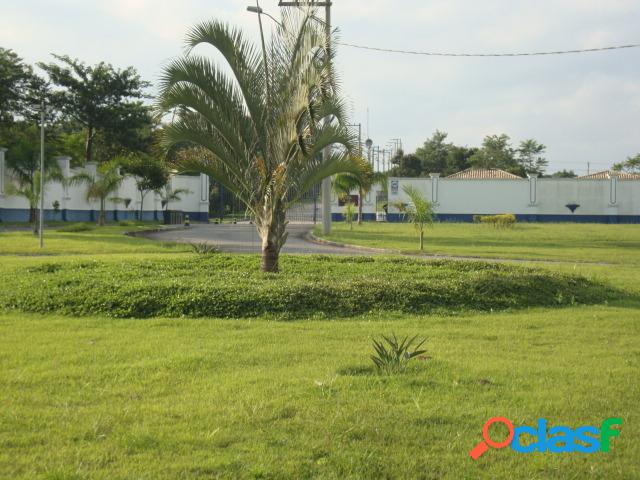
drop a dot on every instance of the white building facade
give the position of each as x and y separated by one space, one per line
73 206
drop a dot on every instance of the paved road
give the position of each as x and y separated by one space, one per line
243 238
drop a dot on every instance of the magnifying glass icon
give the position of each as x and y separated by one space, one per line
483 446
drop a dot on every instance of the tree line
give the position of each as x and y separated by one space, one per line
93 113
437 155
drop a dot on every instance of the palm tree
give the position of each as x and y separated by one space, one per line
101 185
364 180
420 211
31 191
168 195
260 131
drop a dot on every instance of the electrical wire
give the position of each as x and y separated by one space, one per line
518 54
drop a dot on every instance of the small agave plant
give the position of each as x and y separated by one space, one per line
392 355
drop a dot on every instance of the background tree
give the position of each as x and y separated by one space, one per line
496 152
529 156
104 100
631 165
434 153
260 131
406 166
420 211
16 78
458 159
564 174
101 186
150 174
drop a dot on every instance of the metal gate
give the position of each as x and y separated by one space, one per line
308 209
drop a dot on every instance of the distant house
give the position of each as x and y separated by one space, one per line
607 174
483 174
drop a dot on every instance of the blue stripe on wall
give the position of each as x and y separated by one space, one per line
12 215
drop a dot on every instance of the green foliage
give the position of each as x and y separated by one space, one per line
505 220
631 165
76 227
349 212
529 156
564 174
420 210
106 101
393 355
204 248
230 286
150 174
15 80
256 123
100 186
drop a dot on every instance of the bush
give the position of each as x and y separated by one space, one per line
505 220
76 228
231 286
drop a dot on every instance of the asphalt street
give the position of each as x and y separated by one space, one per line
243 238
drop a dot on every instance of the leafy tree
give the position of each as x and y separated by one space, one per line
420 211
434 153
458 159
15 79
407 166
530 156
259 131
150 174
106 101
100 186
496 152
631 165
564 174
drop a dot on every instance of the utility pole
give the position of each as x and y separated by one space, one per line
326 183
41 227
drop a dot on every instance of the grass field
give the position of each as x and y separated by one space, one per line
96 240
535 241
97 397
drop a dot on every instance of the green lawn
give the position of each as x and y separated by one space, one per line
170 398
535 241
98 240
97 397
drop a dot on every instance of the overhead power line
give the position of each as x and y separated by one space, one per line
518 54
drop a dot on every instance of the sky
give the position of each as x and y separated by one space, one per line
585 108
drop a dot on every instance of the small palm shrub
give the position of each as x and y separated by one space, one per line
393 355
205 248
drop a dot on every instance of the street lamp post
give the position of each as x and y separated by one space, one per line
41 220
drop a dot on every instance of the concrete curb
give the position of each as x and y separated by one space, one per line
142 233
321 241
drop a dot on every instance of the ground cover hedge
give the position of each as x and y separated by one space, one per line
231 286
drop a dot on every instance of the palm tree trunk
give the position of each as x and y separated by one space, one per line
141 204
360 207
101 219
421 239
272 231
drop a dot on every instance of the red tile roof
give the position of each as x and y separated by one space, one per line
606 175
483 174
